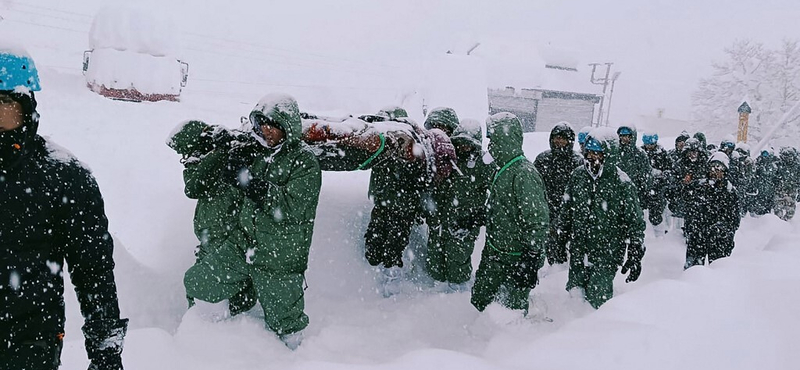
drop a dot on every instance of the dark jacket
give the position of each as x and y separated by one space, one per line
555 167
52 212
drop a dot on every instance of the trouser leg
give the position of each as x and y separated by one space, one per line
435 261
41 354
695 249
600 285
488 280
218 276
281 296
387 236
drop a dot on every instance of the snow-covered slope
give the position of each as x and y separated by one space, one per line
737 314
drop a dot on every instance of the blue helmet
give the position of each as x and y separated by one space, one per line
650 139
624 130
593 145
582 137
17 71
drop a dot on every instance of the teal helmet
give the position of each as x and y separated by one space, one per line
18 72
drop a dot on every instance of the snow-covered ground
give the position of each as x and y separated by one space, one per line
739 313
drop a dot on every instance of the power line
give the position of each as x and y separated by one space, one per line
48 15
47 26
57 10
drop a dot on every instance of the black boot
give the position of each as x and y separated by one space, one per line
243 301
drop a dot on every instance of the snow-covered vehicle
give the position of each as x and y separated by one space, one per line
131 57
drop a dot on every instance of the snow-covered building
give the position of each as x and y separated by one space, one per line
542 86
132 56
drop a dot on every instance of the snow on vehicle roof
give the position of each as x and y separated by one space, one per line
133 28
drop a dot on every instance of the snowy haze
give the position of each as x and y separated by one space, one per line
356 57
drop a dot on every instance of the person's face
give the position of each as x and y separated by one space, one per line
693 155
716 172
625 139
650 147
679 145
595 160
272 135
10 115
560 142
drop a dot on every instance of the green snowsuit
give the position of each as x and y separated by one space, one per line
635 163
600 219
460 211
276 222
217 201
517 221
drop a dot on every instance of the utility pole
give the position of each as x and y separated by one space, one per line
744 118
611 94
601 81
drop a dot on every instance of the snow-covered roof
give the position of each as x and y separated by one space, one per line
544 68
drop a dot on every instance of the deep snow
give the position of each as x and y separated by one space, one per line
739 313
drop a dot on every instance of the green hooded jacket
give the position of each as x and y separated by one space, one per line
517 214
215 215
635 163
462 196
601 216
280 221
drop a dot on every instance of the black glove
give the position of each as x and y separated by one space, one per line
527 269
556 248
104 341
634 262
236 170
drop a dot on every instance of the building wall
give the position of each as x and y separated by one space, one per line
541 110
577 112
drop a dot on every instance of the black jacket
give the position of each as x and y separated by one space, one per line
51 211
556 167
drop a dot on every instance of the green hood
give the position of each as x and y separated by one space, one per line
191 137
282 109
393 113
505 137
701 137
442 118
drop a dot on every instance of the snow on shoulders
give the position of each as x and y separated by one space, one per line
623 176
61 155
470 125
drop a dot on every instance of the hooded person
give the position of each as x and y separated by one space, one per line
600 221
460 210
582 134
634 162
281 186
712 215
661 169
680 142
787 183
516 221
745 181
555 165
766 170
691 166
205 151
52 213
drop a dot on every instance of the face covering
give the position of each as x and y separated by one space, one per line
11 146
